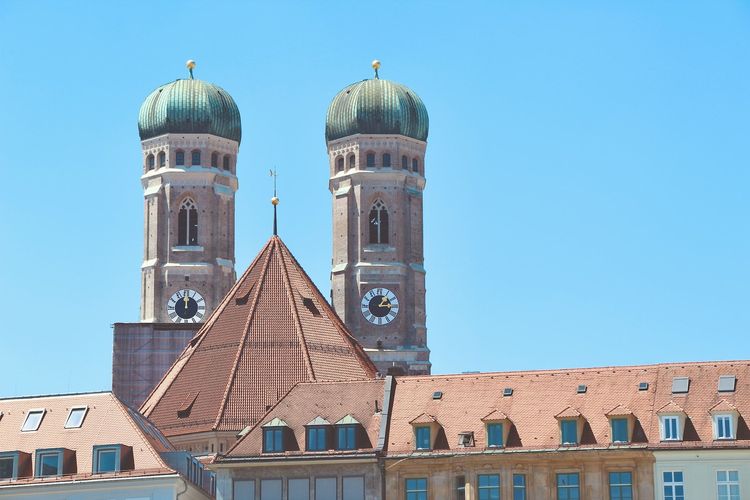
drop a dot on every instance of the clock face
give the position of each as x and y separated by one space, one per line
380 306
186 306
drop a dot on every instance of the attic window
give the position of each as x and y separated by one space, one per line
680 385
310 305
437 395
75 417
643 386
508 391
187 405
727 383
581 389
466 439
33 420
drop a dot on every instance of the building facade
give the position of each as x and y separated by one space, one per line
376 133
190 135
91 447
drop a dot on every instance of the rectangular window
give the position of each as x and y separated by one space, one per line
180 158
569 431
620 430
75 417
519 486
299 489
106 459
728 484
370 160
48 463
568 487
416 489
354 488
621 486
273 441
8 465
495 435
244 490
488 487
461 488
670 426
33 420
270 489
386 160
724 427
423 438
674 487
316 439
325 488
196 159
347 437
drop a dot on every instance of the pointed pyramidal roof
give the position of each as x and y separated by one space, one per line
272 330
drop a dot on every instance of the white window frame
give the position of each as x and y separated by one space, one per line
33 411
718 427
727 483
673 484
664 419
70 414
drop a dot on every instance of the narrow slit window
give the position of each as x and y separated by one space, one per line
387 160
215 159
187 225
162 159
339 165
352 162
379 223
370 160
415 165
227 162
151 161
405 162
179 158
195 158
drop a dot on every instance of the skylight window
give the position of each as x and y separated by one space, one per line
33 420
437 395
680 385
75 417
508 391
581 389
727 383
643 386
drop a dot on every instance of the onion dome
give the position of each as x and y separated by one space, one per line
190 107
377 107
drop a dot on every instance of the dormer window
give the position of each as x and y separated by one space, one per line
75 417
108 458
725 417
621 423
495 435
569 431
49 462
317 438
346 433
619 430
274 436
33 420
422 434
670 428
723 425
496 426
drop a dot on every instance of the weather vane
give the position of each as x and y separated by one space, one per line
190 65
376 67
274 200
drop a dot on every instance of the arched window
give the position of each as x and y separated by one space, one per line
386 160
415 165
405 162
196 158
215 159
187 223
179 158
370 160
226 162
162 159
378 222
352 161
340 165
150 161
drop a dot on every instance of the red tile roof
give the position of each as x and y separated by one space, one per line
538 396
332 401
272 330
107 421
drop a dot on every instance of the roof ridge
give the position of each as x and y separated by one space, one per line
240 348
61 395
553 371
125 410
190 349
295 311
346 381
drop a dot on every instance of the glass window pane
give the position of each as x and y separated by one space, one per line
244 490
75 418
299 489
50 464
619 430
354 488
106 461
678 477
325 488
6 467
734 475
270 489
33 419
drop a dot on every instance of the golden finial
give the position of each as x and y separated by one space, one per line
190 65
376 67
274 201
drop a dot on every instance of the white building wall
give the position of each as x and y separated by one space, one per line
699 468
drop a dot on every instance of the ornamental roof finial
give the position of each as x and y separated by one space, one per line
274 202
376 67
190 65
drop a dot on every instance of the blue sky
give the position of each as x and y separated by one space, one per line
587 169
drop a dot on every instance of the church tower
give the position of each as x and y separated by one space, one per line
190 133
376 133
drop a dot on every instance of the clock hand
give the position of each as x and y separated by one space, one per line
186 299
384 302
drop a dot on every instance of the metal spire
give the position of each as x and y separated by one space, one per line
376 67
274 202
190 65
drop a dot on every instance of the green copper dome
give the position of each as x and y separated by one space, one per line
377 107
189 107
